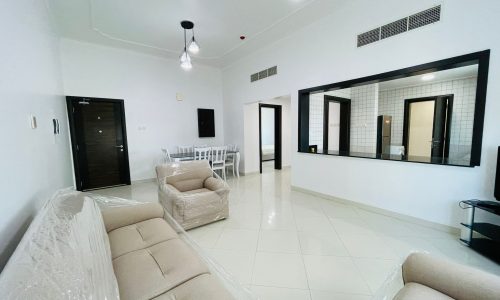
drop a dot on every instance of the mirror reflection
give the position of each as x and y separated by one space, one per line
424 118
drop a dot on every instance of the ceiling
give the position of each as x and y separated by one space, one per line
446 75
153 27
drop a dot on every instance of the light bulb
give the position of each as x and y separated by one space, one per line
184 56
186 65
193 46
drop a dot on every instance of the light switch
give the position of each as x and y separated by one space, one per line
33 122
179 96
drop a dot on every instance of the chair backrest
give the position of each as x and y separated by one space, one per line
218 154
185 149
201 153
166 155
184 176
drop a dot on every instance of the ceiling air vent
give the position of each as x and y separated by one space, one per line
393 28
264 74
369 37
426 17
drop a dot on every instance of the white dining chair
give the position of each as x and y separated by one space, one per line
185 149
166 155
202 153
231 157
219 160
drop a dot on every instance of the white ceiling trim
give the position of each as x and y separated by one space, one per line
135 43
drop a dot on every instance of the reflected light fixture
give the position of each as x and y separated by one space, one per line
193 47
427 77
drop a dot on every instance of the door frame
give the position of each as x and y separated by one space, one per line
343 135
277 135
406 119
70 104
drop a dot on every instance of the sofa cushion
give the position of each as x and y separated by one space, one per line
202 287
416 291
139 236
203 202
117 217
184 176
150 272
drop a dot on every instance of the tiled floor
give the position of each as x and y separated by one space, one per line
285 244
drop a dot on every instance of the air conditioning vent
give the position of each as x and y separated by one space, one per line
394 28
254 77
369 37
423 18
264 74
272 71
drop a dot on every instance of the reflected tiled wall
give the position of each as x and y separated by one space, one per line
391 102
364 104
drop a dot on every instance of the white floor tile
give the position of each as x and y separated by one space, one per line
322 244
315 225
237 263
367 246
279 270
238 239
273 293
336 274
278 241
324 295
375 271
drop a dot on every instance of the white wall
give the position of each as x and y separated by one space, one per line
429 192
148 84
250 161
33 163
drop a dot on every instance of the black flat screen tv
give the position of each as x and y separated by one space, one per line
206 123
497 178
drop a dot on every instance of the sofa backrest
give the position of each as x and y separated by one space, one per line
64 254
184 176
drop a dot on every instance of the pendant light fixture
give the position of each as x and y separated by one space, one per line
193 47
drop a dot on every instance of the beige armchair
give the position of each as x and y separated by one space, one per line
427 277
191 194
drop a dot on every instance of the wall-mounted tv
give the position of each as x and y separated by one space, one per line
206 123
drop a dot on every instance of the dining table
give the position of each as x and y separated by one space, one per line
186 156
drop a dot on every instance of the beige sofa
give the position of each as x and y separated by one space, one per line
151 262
96 247
191 194
431 278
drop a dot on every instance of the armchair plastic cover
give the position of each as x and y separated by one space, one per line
192 193
64 254
235 288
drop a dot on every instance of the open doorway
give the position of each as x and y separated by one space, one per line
336 125
270 135
426 127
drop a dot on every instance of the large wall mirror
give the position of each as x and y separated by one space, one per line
431 113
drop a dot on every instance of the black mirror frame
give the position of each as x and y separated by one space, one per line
480 58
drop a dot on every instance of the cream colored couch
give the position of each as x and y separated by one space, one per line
191 194
151 262
431 278
94 247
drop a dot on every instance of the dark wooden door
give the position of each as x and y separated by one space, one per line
440 132
277 135
99 141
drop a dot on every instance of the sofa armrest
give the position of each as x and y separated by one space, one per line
215 184
455 280
117 217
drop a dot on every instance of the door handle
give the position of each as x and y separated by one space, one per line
121 146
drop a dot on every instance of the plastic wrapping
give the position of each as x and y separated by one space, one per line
394 283
192 193
64 254
236 290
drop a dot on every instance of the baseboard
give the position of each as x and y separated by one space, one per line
385 212
143 180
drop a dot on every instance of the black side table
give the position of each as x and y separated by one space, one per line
488 243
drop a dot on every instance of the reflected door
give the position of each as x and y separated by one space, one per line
337 124
427 124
